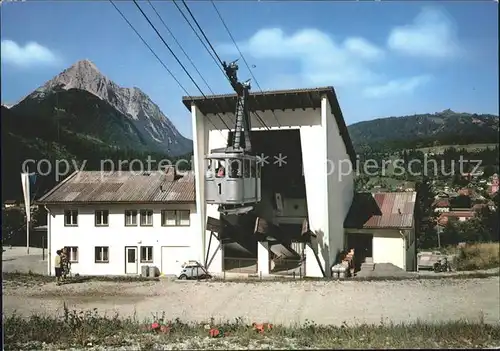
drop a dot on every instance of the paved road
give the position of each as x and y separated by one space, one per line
283 303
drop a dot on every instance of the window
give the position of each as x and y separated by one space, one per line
252 168
175 218
130 218
101 218
168 218
146 217
101 254
72 253
183 218
235 169
210 170
221 169
246 168
71 218
146 254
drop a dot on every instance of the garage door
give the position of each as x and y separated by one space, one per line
172 258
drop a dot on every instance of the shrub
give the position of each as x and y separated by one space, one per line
479 256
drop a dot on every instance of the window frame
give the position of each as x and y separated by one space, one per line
103 214
74 250
220 163
70 211
150 257
247 168
133 214
164 217
102 250
177 216
233 173
140 217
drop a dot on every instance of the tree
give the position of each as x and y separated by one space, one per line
425 216
461 201
13 221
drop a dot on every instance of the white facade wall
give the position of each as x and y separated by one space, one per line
86 236
328 196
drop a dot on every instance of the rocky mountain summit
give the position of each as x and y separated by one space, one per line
150 121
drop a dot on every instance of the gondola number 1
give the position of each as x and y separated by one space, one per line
220 188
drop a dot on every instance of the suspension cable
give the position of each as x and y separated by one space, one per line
175 56
185 53
243 57
216 58
157 57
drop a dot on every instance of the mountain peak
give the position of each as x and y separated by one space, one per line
85 65
131 102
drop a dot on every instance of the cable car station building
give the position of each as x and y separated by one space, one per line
307 178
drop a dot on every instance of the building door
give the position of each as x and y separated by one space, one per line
362 243
131 261
172 258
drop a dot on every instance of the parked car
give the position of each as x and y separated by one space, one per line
193 270
435 261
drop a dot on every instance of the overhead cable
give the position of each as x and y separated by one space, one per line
184 52
241 54
216 58
154 53
174 55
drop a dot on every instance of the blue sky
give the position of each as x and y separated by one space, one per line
383 58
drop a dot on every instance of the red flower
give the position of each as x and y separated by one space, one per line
259 327
214 333
155 326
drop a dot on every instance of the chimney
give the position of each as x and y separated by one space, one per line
170 172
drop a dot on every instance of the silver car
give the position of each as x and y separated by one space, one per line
194 270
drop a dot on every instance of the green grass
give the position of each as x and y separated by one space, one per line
89 328
478 256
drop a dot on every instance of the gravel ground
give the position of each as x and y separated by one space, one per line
16 259
287 303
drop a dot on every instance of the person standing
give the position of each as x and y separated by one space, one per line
58 267
64 263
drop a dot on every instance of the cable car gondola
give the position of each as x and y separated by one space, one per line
233 175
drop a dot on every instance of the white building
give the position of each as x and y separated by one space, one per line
382 226
306 129
114 223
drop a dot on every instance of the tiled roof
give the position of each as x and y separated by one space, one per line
444 217
382 210
442 203
123 187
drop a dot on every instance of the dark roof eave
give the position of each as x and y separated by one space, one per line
114 202
394 228
328 91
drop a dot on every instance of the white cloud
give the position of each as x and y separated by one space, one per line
432 34
397 86
360 46
322 60
32 54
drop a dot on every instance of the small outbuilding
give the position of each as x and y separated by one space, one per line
381 226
